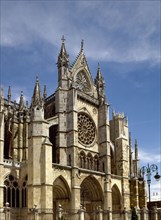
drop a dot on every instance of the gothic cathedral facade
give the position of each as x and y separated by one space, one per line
64 153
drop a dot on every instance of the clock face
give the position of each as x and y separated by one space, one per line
82 83
86 130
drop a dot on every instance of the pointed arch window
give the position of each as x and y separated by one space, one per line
24 193
89 162
82 159
12 191
82 83
96 163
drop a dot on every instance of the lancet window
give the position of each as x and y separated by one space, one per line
24 193
12 192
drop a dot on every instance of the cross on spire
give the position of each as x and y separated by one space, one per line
63 39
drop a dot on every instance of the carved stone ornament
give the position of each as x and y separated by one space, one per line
82 83
86 130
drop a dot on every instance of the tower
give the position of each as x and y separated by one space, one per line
39 157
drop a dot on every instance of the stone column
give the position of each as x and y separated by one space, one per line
107 198
7 211
125 214
100 213
144 213
109 214
81 213
75 200
155 213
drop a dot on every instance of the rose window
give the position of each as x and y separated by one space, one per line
86 129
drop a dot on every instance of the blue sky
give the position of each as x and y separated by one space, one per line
123 36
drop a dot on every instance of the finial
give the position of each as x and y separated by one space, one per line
37 79
63 39
21 103
98 65
82 44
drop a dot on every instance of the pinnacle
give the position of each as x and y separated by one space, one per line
36 98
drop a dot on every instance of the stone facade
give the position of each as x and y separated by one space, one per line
64 153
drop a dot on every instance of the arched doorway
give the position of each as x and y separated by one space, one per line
61 194
91 197
116 202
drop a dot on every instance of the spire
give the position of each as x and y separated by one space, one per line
9 94
99 74
99 81
136 150
21 103
36 98
82 44
63 58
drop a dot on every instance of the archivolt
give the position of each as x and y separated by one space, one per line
61 189
91 189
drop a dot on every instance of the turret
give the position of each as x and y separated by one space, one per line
63 58
63 65
39 154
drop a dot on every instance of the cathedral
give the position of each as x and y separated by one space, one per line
62 157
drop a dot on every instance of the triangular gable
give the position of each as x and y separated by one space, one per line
81 75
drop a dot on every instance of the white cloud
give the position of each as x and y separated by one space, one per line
149 157
112 31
